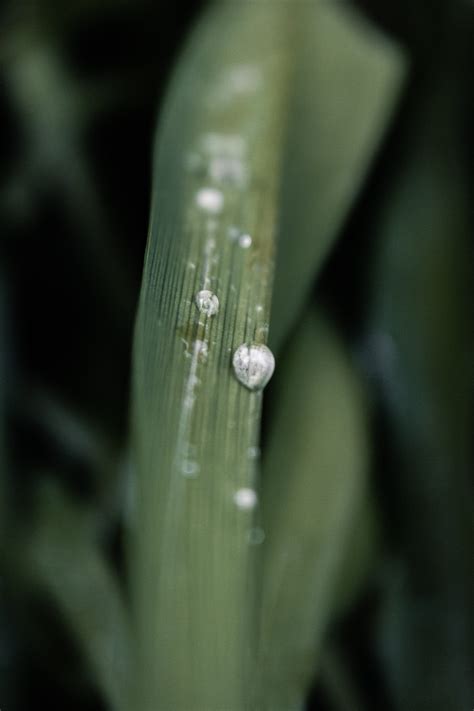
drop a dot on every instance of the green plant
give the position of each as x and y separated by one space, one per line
207 547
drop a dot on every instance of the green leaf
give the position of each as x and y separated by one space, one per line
219 179
423 348
346 84
63 557
314 492
195 427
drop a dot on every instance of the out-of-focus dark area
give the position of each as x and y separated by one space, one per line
80 86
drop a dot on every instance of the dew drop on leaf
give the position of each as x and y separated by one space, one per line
256 536
210 200
228 169
245 499
253 365
190 468
207 302
245 241
253 452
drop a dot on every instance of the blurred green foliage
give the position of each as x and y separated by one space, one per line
375 236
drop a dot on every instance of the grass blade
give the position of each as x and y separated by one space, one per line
195 426
217 179
64 558
315 486
346 85
423 348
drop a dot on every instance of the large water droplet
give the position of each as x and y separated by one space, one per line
253 365
207 302
245 499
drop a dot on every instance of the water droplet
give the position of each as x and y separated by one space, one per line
189 401
210 199
253 365
245 241
201 348
253 452
190 469
244 78
207 302
211 227
209 246
223 144
245 499
235 81
256 536
228 169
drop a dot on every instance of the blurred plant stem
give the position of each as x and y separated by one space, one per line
52 112
314 497
64 559
420 315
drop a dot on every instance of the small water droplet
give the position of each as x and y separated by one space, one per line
211 227
245 499
228 169
244 78
235 81
245 241
256 536
207 302
190 469
189 401
222 144
209 246
253 365
201 348
210 199
253 452
233 233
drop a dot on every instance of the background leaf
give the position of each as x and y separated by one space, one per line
421 343
313 497
64 559
346 83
